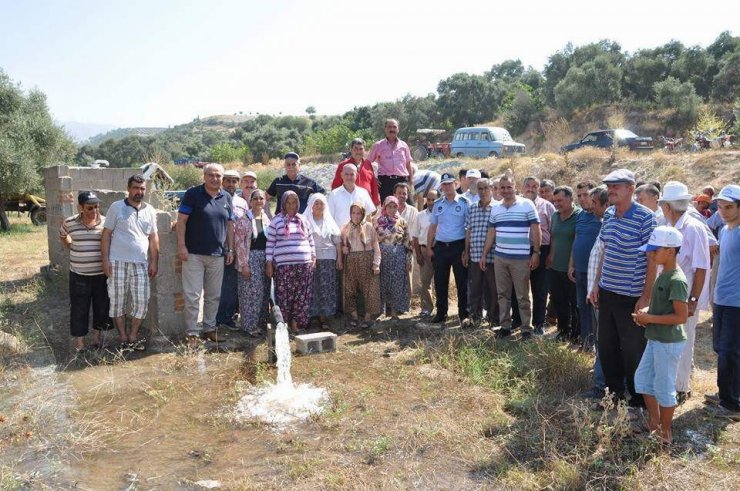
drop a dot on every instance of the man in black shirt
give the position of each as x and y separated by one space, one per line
292 180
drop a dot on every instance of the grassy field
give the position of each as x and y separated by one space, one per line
411 408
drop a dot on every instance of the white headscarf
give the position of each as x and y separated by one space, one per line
328 226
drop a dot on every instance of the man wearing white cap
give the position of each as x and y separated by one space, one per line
623 284
726 335
472 177
693 259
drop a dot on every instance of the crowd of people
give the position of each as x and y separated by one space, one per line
627 266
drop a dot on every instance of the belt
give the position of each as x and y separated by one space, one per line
450 244
394 177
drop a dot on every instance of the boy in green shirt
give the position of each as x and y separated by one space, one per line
663 320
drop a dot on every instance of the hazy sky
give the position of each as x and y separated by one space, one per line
164 62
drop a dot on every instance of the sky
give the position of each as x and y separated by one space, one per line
165 62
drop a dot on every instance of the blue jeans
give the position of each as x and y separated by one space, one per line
585 311
229 301
656 374
726 343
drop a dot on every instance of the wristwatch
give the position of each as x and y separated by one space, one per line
693 299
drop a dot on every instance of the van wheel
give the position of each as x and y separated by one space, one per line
493 155
459 155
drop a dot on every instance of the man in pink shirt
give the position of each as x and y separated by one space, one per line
394 160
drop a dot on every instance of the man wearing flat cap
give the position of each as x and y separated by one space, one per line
294 181
622 285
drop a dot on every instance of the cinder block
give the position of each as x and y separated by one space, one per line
65 184
318 342
56 171
164 224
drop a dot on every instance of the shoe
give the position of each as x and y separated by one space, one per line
502 333
425 313
682 397
593 393
539 331
466 323
211 336
439 319
139 345
526 336
721 411
712 399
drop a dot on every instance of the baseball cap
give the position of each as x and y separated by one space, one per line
249 173
618 176
231 173
663 236
731 192
292 155
473 173
87 198
447 177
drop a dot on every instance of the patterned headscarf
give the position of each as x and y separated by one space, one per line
295 217
386 221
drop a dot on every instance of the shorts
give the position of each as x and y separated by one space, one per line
656 374
133 279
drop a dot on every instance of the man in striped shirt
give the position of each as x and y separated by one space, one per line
623 284
82 235
512 224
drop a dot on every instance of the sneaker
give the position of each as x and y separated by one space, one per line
712 399
502 333
211 336
593 393
439 319
539 331
682 397
526 336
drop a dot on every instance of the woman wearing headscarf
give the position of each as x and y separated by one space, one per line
396 256
361 266
250 239
326 238
291 258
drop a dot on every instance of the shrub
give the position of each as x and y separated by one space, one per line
185 176
681 97
522 109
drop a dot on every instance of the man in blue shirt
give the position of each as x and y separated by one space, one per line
726 335
205 234
447 235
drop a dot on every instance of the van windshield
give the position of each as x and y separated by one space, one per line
501 135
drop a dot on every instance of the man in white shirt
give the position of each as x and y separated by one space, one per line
423 265
472 177
342 197
693 259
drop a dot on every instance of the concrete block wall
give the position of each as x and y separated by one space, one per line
64 183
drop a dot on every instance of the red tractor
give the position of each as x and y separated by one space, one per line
428 144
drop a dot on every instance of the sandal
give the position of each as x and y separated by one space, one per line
139 345
366 324
353 322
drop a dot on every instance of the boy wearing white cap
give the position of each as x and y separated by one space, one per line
663 320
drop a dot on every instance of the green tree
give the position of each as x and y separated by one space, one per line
593 82
466 100
29 141
520 112
726 86
681 97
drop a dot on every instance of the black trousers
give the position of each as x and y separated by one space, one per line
449 255
83 291
386 184
621 343
563 295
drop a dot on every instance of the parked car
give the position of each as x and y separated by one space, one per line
608 138
485 141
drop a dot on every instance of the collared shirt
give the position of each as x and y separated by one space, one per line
131 228
597 251
85 256
715 222
545 210
391 157
340 201
426 180
476 221
659 217
726 292
365 178
562 237
588 226
449 217
302 186
694 254
472 197
205 231
625 266
512 226
410 214
423 220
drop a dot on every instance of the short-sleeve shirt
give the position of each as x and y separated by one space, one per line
477 223
449 217
588 226
302 186
391 157
423 220
624 266
340 200
545 210
365 178
131 228
668 286
694 254
726 291
240 206
512 227
205 232
426 180
562 235
85 250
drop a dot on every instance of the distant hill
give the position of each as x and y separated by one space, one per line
119 133
81 132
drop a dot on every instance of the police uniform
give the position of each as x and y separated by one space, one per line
449 244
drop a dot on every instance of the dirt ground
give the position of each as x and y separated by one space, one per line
398 417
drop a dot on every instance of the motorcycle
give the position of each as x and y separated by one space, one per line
701 142
724 140
671 145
